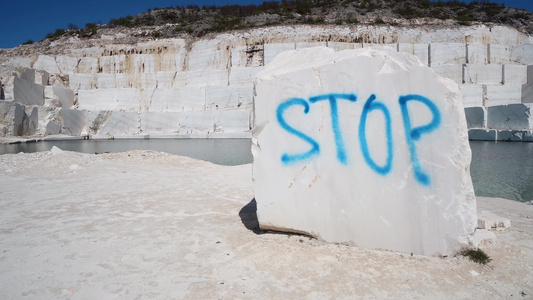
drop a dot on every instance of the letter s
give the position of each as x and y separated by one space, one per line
315 149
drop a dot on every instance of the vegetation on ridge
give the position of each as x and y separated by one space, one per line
198 21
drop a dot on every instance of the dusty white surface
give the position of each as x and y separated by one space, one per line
325 164
147 225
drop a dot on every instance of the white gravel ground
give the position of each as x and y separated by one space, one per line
149 225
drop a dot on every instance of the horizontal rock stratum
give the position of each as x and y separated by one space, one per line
363 146
108 87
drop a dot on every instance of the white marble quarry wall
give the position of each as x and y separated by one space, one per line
195 122
492 65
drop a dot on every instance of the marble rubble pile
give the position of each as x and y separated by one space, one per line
363 146
204 87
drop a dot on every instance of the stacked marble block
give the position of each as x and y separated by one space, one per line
34 97
497 86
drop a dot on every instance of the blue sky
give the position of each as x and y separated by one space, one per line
22 20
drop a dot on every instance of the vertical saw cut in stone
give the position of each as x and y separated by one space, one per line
365 146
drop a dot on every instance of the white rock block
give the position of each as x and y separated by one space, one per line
160 122
144 63
380 45
47 63
87 65
271 50
362 146
28 75
453 72
472 95
163 100
447 54
483 74
109 99
97 119
11 118
73 121
49 122
503 95
230 121
172 62
239 76
123 81
105 81
56 96
515 74
107 65
302 45
36 76
115 123
191 98
209 55
527 93
522 54
67 64
175 99
79 81
247 56
477 53
222 97
475 117
204 78
482 134
195 122
510 117
166 79
499 54
52 128
339 46
419 50
147 81
238 56
488 220
27 92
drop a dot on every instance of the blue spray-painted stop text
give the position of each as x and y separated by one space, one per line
412 134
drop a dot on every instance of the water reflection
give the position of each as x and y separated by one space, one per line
502 170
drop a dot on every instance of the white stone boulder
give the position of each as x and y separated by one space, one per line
28 92
11 118
57 96
362 146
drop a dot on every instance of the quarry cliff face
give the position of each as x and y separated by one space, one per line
114 86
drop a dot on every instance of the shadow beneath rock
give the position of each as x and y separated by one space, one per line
248 215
